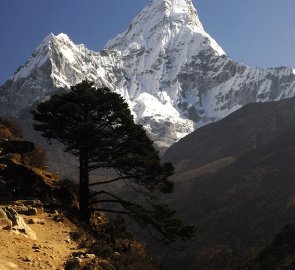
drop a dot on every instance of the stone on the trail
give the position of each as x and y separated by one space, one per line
36 247
68 240
19 225
36 221
32 212
73 262
90 256
32 203
27 259
21 209
58 218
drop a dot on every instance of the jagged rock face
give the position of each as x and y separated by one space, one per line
56 64
174 76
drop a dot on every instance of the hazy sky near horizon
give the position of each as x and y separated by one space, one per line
255 32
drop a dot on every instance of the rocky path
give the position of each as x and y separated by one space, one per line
51 249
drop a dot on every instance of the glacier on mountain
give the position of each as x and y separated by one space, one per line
174 76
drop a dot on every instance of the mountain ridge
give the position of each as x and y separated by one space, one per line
173 74
237 176
246 129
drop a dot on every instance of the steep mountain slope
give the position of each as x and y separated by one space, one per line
172 73
248 128
243 203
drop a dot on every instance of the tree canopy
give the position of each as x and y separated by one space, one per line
96 126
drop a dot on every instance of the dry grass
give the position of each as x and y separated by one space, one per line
37 158
10 129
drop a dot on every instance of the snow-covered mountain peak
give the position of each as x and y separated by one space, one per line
173 75
183 9
47 39
163 25
62 36
51 37
43 53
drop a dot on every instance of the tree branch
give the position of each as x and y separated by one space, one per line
111 211
114 180
107 193
105 201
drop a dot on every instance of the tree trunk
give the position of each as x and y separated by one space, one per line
84 184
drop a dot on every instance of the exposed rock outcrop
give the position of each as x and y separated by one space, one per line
18 224
5 223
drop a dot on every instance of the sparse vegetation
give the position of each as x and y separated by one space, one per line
36 158
113 246
12 129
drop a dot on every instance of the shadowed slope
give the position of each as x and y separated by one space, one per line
246 129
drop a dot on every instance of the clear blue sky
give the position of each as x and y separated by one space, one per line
255 32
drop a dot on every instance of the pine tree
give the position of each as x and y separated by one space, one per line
97 127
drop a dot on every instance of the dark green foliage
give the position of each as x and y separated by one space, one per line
96 126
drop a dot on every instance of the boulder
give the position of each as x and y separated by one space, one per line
36 221
17 146
21 209
18 224
32 212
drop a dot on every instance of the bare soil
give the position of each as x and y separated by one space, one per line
49 251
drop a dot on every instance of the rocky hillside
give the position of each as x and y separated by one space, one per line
172 73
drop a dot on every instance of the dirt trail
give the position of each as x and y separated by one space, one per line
49 251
